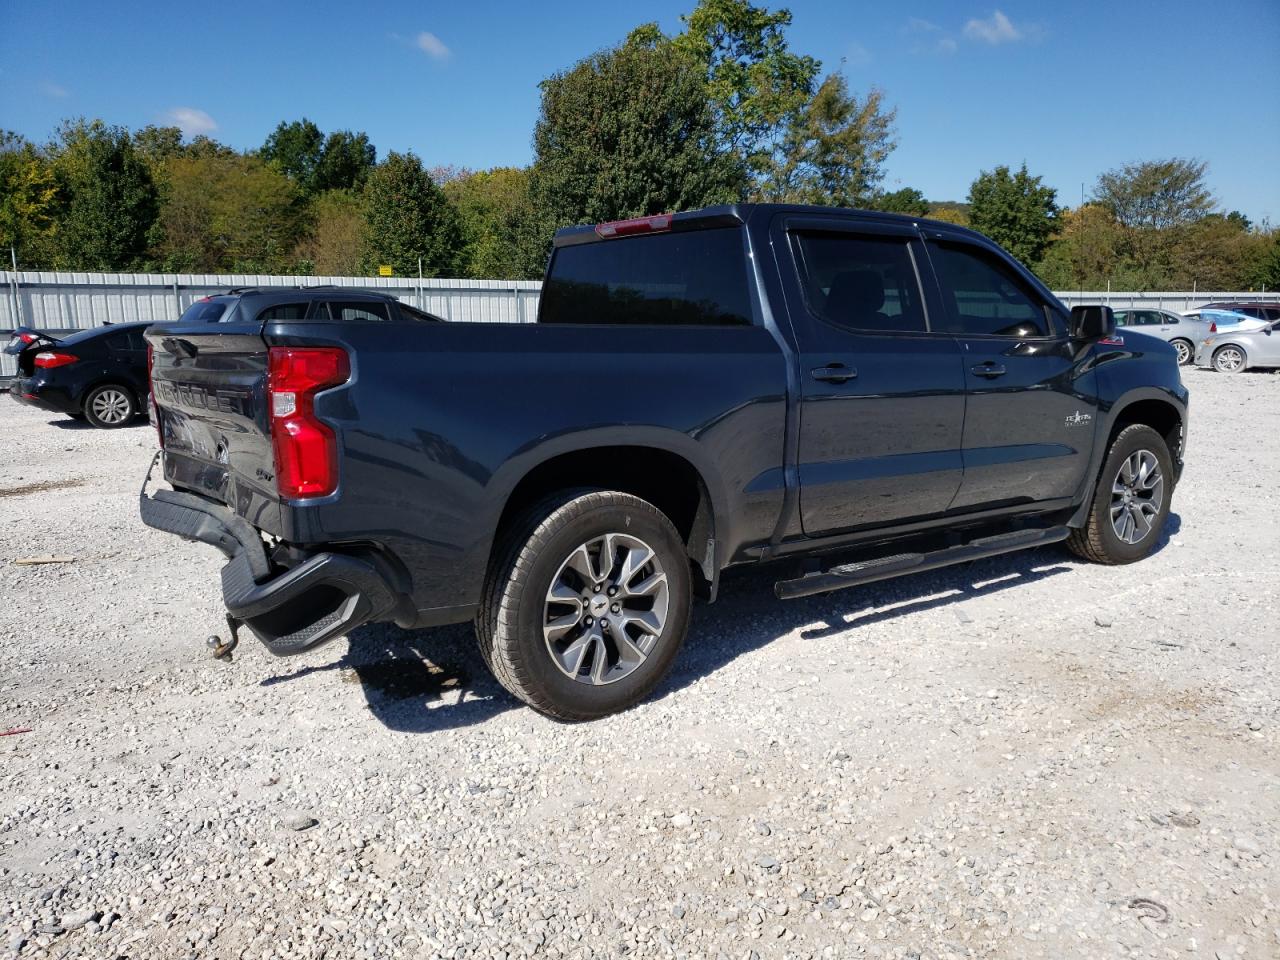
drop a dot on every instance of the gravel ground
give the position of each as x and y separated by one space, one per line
1025 757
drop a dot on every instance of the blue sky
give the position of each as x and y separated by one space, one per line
1071 88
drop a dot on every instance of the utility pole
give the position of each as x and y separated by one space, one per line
13 286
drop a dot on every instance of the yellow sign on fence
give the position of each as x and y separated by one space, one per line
384 271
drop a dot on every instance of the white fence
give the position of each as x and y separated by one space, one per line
61 303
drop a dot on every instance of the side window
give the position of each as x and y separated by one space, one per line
417 316
126 341
1148 318
682 278
358 311
984 296
1169 319
860 282
283 311
1122 318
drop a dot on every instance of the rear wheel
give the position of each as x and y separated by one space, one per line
1185 353
1131 503
110 406
1229 359
587 606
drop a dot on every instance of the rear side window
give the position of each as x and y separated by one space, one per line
358 311
127 340
204 311
861 282
418 316
283 311
682 279
984 297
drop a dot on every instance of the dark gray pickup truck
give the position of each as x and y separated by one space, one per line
850 395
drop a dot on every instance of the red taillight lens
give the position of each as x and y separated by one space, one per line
629 228
50 359
27 337
306 449
1213 327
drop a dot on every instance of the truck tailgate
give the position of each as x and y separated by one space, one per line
209 384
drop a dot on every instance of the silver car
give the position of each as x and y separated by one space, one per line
1230 351
1182 332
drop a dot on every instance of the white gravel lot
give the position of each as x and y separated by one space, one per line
1026 757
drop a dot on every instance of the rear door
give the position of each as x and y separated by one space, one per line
1031 397
882 394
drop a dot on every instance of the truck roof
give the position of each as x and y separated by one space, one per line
729 215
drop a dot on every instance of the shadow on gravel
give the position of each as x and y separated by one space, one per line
423 681
70 423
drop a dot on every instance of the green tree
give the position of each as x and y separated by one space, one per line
229 214
28 200
756 84
491 205
1156 194
1015 210
625 133
345 162
1263 268
335 245
111 203
409 217
905 200
834 149
295 149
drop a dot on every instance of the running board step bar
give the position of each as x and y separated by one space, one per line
882 568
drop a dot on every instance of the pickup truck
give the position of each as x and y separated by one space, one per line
848 395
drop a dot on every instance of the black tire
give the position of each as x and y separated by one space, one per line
514 608
1098 539
1230 350
1186 351
104 415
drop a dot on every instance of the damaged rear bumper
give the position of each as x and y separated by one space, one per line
324 597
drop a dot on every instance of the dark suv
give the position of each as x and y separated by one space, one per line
1269 311
319 303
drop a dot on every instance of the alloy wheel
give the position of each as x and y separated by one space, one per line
1184 351
111 405
606 609
1228 359
1137 493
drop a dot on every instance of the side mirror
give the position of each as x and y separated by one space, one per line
1092 323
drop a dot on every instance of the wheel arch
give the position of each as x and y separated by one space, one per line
1150 406
666 477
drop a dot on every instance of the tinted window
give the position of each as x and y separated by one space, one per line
984 296
203 311
127 340
866 283
358 311
1169 319
694 277
1149 318
283 311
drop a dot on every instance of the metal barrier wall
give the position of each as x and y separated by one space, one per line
61 303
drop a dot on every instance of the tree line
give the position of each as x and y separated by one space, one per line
720 112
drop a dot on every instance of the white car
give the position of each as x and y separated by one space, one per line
1222 320
1233 350
1178 330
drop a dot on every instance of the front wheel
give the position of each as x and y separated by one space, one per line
1131 503
110 406
1229 359
587 605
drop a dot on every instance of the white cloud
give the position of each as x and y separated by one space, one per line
996 29
930 37
190 121
432 46
55 90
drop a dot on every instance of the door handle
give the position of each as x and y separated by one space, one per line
833 373
990 370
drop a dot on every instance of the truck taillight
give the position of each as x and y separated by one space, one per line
306 450
50 359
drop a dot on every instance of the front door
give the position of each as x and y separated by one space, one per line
882 397
1032 400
